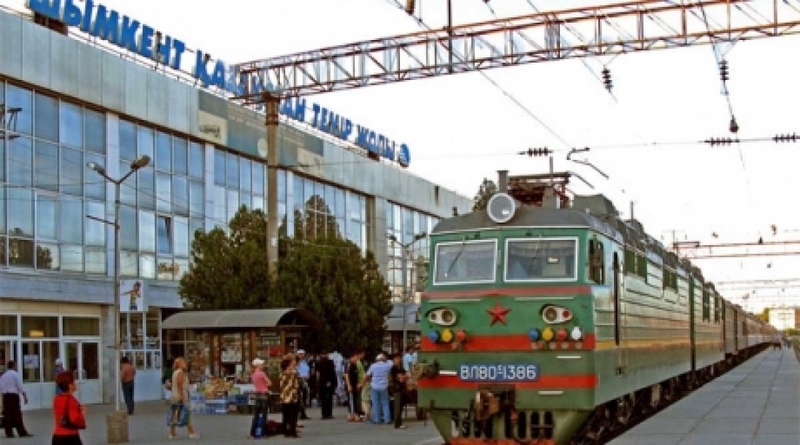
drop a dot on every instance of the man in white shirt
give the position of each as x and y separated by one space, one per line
11 388
304 372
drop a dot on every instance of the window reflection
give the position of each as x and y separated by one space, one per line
46 166
17 97
95 122
46 117
72 258
71 124
20 212
20 162
71 171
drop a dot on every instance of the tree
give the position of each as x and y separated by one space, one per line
229 269
346 290
487 190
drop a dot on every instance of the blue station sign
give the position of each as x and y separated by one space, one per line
129 34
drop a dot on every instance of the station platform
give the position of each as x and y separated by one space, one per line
757 403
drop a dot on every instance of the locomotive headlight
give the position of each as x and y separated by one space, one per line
534 334
562 334
433 336
442 316
576 333
556 314
461 335
547 334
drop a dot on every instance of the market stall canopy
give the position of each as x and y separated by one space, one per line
246 318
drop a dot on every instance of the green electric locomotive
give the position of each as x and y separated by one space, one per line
547 319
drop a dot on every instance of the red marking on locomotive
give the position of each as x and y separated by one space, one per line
498 313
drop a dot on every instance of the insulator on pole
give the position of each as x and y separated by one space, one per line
723 70
606 74
720 141
733 127
539 151
785 137
410 7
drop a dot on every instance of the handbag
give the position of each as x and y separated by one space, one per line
65 421
178 415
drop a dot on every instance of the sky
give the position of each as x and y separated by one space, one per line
644 137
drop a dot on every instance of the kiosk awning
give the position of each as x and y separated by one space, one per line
247 318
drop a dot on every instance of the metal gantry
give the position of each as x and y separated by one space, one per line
606 30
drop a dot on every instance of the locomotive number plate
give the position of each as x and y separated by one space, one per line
499 372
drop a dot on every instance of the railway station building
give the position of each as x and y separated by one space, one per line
73 92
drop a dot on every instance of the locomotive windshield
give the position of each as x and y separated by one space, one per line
465 262
540 259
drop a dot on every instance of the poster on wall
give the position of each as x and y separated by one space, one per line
30 361
131 297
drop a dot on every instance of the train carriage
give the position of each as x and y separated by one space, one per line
553 322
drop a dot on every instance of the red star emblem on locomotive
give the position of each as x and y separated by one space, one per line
498 313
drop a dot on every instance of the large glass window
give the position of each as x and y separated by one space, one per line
81 326
72 168
127 140
46 166
46 117
180 156
18 97
46 217
71 124
72 210
20 162
466 262
196 163
541 259
164 231
39 326
20 212
163 160
95 131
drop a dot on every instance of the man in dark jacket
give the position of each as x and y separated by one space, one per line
326 384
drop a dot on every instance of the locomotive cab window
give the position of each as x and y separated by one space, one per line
544 259
465 262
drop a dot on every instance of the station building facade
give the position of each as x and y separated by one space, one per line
66 102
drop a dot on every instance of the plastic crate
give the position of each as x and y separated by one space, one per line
217 406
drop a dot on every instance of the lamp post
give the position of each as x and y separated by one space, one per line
404 263
135 166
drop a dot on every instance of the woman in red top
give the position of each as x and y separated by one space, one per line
66 404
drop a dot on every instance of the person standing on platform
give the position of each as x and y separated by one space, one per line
179 398
326 384
67 407
304 372
261 383
397 387
354 385
378 375
127 375
59 369
290 395
11 388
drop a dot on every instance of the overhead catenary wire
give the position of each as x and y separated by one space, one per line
505 92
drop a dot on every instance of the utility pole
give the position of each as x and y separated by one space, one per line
272 103
406 297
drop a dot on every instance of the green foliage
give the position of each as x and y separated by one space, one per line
487 190
329 277
317 270
229 269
